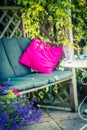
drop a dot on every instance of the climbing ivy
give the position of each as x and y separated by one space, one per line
79 19
32 16
34 13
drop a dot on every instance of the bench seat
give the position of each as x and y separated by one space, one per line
34 81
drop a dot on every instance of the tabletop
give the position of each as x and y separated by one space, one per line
77 63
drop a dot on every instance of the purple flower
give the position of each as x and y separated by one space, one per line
9 84
18 111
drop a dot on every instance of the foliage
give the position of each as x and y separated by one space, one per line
79 19
35 13
16 110
47 13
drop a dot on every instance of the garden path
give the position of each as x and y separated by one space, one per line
58 120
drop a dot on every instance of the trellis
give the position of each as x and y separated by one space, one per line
58 96
10 22
11 25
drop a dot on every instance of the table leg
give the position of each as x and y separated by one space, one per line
73 93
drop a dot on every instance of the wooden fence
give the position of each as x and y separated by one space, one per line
10 22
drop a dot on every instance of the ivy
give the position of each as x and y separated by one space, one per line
79 19
35 14
36 11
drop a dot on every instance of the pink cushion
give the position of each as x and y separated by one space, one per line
41 57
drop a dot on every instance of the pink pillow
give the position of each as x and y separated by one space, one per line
41 57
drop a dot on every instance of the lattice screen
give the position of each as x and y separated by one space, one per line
10 22
49 29
54 96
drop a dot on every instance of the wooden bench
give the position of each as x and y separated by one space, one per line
22 77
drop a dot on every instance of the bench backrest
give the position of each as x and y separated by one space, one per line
10 51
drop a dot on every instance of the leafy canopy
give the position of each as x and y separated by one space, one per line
35 12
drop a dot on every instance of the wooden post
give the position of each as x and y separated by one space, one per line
73 88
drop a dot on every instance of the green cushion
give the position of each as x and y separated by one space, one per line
38 79
10 51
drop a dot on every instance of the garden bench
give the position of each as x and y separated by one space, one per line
22 77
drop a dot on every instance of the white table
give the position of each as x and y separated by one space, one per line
74 64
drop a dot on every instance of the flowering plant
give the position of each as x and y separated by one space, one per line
16 110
